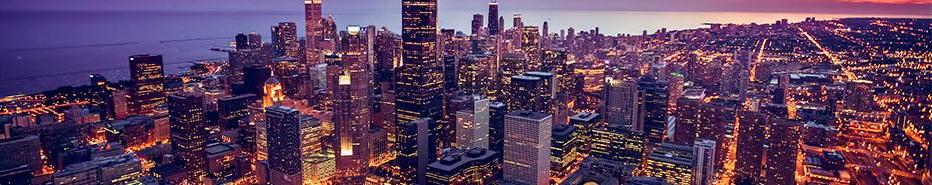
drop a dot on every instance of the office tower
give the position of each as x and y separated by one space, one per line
652 108
464 166
563 149
752 126
501 24
688 115
618 144
585 123
418 83
621 102
222 164
317 165
671 162
494 27
472 124
285 40
254 41
412 158
555 61
21 151
121 169
476 24
188 136
147 76
233 110
497 111
516 21
284 142
524 93
511 64
312 30
530 45
527 151
474 74
782 150
704 153
241 41
319 168
254 78
351 111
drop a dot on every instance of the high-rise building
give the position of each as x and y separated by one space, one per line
351 110
188 136
285 40
494 27
527 151
530 45
585 123
284 144
524 93
419 80
477 24
497 111
652 108
412 158
620 145
474 74
465 166
254 78
232 110
671 162
148 90
782 149
750 146
516 21
511 64
564 147
621 102
313 30
472 124
704 153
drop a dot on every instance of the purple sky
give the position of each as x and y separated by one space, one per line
912 7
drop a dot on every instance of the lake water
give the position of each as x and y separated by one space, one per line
43 50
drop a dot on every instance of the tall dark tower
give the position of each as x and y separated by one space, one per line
284 140
420 77
494 26
653 105
188 137
148 90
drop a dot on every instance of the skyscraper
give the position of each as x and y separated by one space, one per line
652 108
704 152
284 141
564 147
472 124
494 26
351 111
312 30
419 79
530 45
621 98
188 136
782 148
516 21
618 144
497 111
477 24
148 90
285 40
752 126
465 166
527 148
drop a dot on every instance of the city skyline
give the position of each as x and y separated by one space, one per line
783 99
899 7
